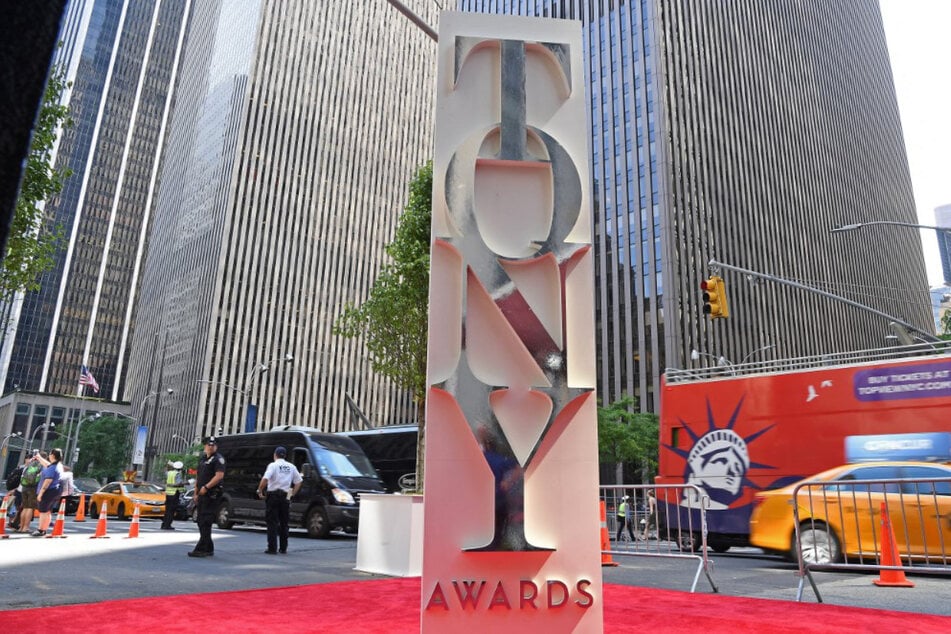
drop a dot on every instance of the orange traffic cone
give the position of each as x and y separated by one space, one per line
101 526
60 521
134 526
895 578
81 509
3 517
605 539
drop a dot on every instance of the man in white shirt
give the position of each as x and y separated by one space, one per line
281 482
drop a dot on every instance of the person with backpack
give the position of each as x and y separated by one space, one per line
28 483
13 486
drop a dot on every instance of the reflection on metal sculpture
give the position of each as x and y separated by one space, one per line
491 250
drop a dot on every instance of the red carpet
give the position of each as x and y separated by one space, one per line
388 606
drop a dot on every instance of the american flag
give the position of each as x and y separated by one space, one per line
86 378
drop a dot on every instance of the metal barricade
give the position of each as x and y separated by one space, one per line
843 525
669 520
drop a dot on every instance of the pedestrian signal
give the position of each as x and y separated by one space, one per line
714 297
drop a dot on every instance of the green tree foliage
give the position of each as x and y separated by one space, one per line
189 461
628 437
946 325
393 320
32 240
105 445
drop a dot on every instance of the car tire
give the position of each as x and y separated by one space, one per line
689 542
818 543
317 524
222 517
120 513
93 510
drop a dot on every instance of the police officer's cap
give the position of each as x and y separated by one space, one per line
280 452
209 440
177 464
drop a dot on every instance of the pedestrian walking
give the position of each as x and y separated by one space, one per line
174 484
280 483
625 517
651 513
211 471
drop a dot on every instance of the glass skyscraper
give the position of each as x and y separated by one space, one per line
296 130
740 131
119 57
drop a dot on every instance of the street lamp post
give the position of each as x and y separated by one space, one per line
250 410
859 225
724 362
47 426
696 354
151 428
184 441
74 442
6 441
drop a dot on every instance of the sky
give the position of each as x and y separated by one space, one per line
918 34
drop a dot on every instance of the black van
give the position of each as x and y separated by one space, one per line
334 468
392 452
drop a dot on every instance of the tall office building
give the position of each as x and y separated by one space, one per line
740 131
296 130
942 217
119 57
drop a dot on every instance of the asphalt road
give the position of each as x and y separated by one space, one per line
40 572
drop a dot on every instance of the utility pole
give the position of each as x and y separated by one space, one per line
779 280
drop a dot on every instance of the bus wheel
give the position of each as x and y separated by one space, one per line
718 546
317 524
818 543
223 517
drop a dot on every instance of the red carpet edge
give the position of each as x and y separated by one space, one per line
392 606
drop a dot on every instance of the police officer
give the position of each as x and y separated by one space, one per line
211 471
282 481
173 491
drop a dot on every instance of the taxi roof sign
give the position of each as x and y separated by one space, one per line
930 447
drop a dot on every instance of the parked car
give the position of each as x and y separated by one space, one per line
840 519
183 512
120 498
86 486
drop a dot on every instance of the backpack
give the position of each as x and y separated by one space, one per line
31 475
13 480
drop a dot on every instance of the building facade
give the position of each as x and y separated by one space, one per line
740 131
119 57
296 130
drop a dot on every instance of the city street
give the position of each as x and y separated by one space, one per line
84 570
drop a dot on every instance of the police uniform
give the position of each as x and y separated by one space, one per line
280 477
173 491
207 499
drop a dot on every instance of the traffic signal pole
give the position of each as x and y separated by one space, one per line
772 278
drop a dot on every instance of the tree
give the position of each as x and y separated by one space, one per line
393 321
946 325
105 445
32 242
626 436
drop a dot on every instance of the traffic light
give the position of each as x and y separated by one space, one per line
714 297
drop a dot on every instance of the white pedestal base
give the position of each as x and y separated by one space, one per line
390 538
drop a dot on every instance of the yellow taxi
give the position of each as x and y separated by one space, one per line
838 518
120 498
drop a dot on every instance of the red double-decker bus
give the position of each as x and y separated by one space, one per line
736 430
